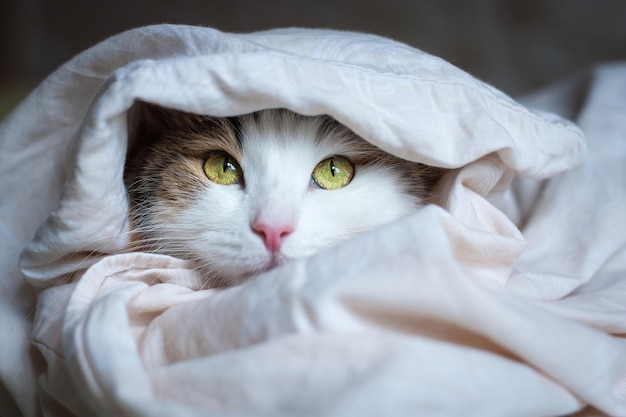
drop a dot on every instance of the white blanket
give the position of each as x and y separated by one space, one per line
506 298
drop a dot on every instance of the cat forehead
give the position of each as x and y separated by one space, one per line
282 131
267 133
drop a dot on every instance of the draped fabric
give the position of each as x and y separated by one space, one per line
505 297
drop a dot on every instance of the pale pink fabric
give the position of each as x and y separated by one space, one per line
507 298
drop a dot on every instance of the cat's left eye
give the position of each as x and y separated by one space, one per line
221 168
333 173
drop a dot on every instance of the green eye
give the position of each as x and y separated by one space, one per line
333 173
222 168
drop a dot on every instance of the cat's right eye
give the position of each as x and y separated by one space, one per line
221 168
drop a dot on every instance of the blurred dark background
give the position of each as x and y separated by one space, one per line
516 45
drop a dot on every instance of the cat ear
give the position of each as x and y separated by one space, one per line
146 122
146 118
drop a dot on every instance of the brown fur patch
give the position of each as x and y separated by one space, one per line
164 165
167 150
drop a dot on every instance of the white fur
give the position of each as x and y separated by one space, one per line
278 159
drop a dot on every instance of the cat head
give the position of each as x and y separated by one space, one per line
241 195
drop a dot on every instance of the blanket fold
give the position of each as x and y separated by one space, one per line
503 297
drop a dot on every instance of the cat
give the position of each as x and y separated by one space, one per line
241 195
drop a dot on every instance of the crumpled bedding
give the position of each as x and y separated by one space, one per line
506 297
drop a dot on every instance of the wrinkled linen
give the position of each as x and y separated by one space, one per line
507 297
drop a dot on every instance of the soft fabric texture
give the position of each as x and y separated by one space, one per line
507 297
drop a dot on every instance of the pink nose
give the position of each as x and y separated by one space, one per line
272 235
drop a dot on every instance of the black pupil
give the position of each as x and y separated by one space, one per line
333 169
227 165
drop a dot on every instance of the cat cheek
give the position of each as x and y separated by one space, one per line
221 200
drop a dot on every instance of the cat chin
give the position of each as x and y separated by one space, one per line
217 277
274 262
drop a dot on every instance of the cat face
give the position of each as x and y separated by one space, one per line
239 196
